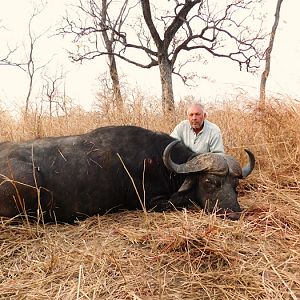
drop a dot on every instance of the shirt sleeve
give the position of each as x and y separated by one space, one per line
176 132
216 143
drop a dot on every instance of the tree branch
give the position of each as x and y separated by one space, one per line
178 21
148 19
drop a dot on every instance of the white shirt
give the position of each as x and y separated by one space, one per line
209 139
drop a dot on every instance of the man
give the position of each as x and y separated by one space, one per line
197 133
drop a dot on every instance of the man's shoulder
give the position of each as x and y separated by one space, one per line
212 126
184 124
180 129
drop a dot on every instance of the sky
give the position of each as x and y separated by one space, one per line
223 78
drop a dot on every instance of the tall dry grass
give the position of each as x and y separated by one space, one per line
171 255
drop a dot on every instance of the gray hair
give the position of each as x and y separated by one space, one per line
195 103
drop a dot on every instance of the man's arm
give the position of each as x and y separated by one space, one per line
216 142
176 133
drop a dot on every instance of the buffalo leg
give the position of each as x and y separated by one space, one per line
162 203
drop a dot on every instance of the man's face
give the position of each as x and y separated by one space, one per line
196 116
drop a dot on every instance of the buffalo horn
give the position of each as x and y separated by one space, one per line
247 169
208 162
169 163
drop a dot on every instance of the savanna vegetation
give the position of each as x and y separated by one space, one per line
183 254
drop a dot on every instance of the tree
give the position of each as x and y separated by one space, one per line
28 65
51 91
162 35
99 25
266 72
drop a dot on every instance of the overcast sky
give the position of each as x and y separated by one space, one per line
224 77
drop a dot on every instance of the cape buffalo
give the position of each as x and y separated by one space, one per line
111 168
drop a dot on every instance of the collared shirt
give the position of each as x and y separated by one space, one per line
209 139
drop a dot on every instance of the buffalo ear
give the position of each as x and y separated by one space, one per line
188 184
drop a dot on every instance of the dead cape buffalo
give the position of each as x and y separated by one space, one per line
73 177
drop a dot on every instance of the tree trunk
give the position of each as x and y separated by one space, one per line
265 74
28 94
113 70
165 68
117 96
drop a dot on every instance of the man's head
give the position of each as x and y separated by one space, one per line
196 115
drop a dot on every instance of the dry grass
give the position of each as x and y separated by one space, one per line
171 255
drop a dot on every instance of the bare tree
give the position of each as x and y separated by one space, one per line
217 29
196 25
51 91
29 64
99 26
266 72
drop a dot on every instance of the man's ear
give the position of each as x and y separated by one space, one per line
205 115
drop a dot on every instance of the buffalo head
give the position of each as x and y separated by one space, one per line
214 177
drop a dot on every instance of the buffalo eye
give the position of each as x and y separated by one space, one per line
210 183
